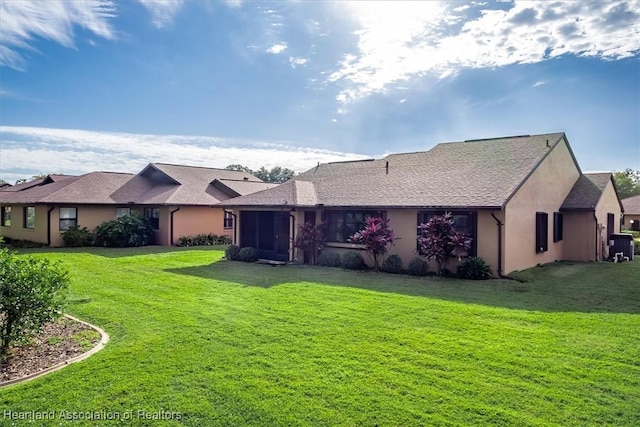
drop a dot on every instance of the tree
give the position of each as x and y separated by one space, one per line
34 177
311 239
439 241
32 293
627 183
277 174
377 237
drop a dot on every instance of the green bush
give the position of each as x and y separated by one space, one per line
33 293
248 254
636 248
353 261
393 264
204 240
232 253
76 237
329 259
418 267
474 268
18 243
126 231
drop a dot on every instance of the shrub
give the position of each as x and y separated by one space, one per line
33 294
329 259
311 239
393 264
248 254
18 243
353 261
77 237
418 267
126 231
636 248
203 240
474 268
232 253
439 240
376 236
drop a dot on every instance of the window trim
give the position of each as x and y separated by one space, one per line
122 207
153 220
344 213
227 220
473 219
542 232
60 219
25 217
6 219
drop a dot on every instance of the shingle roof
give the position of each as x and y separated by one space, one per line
36 182
481 173
586 192
631 205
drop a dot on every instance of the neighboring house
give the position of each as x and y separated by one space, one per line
632 212
177 200
519 198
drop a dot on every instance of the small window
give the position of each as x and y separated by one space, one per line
6 216
557 227
120 212
228 220
68 218
542 232
29 219
153 216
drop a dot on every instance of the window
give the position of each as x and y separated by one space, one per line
557 226
29 218
464 221
120 212
542 232
153 216
343 224
68 218
228 220
6 216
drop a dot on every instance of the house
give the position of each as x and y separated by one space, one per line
177 200
632 212
524 201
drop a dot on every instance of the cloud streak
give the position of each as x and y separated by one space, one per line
28 151
398 41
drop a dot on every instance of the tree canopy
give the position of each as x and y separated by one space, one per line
627 182
276 174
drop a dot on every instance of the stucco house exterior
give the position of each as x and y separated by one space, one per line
177 200
524 201
632 212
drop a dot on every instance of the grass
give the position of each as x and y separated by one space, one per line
229 343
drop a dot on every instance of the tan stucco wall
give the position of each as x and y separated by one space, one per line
543 191
193 220
628 219
580 234
88 216
608 203
18 232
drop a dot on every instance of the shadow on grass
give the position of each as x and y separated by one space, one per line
560 287
116 252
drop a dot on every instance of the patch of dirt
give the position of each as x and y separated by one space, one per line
59 341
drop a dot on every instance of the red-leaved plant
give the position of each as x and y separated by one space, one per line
377 237
439 241
311 239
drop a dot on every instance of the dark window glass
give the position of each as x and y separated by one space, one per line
29 220
343 224
464 221
153 216
228 220
557 226
6 216
68 218
120 212
542 232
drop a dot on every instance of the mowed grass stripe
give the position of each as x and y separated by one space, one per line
226 343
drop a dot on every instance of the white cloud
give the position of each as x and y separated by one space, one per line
277 48
398 41
162 11
297 62
22 21
540 83
28 151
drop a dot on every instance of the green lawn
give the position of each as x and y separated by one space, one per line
228 343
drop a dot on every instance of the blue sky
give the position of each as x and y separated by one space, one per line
108 85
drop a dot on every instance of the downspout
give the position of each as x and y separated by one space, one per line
500 225
235 218
49 225
293 235
596 237
171 226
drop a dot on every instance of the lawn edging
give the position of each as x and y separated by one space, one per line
104 339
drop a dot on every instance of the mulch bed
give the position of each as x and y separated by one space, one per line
59 341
